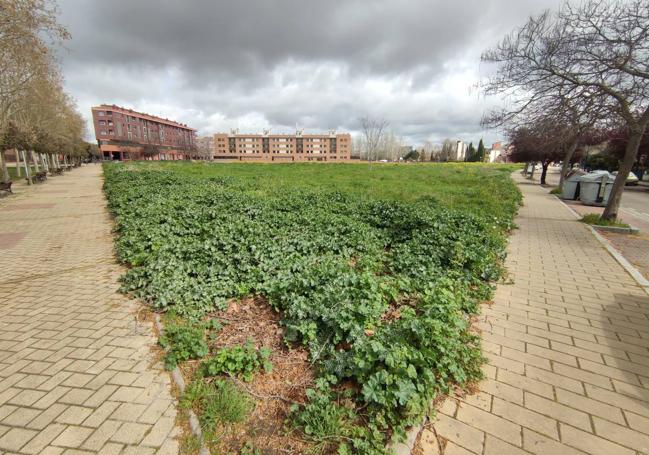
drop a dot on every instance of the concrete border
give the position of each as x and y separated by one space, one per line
406 447
177 376
635 273
618 229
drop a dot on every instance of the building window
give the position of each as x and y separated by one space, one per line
102 122
101 113
111 132
102 132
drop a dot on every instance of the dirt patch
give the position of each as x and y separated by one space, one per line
274 393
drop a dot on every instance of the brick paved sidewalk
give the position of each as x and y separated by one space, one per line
567 347
76 366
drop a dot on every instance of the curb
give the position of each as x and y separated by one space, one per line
176 375
635 274
406 447
619 230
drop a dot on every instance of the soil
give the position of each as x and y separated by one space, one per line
274 393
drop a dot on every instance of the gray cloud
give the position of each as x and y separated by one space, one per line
257 63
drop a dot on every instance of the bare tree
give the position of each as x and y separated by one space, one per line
448 150
204 146
596 51
373 131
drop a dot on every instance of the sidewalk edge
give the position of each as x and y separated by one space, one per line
635 273
176 375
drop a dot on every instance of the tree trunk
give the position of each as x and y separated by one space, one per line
613 205
527 165
36 166
566 162
544 171
19 172
5 171
28 171
533 169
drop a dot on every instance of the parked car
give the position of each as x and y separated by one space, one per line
631 180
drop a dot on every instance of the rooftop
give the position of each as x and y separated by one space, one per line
154 118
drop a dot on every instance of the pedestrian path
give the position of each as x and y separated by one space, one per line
567 347
77 369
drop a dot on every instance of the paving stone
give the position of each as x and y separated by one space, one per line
101 435
131 433
590 443
159 432
15 438
494 446
47 416
43 439
568 347
73 436
452 429
64 327
74 415
21 417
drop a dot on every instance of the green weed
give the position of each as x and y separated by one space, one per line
241 361
216 402
183 342
375 270
595 219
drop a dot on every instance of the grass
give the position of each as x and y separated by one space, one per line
13 174
216 403
476 187
595 220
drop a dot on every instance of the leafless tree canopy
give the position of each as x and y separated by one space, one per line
373 134
582 64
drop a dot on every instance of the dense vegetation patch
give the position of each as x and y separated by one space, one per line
375 271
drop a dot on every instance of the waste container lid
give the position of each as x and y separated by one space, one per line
574 175
597 176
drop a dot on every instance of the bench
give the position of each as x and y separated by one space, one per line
57 171
39 177
6 186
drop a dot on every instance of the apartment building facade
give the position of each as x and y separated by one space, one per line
125 134
282 147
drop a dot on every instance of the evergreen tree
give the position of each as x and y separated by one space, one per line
481 152
471 153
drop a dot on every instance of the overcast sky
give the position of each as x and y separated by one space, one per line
318 64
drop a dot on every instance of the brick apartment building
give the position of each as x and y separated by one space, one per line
123 134
282 147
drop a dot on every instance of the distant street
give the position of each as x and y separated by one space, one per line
635 201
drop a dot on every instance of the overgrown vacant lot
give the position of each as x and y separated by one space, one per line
318 307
